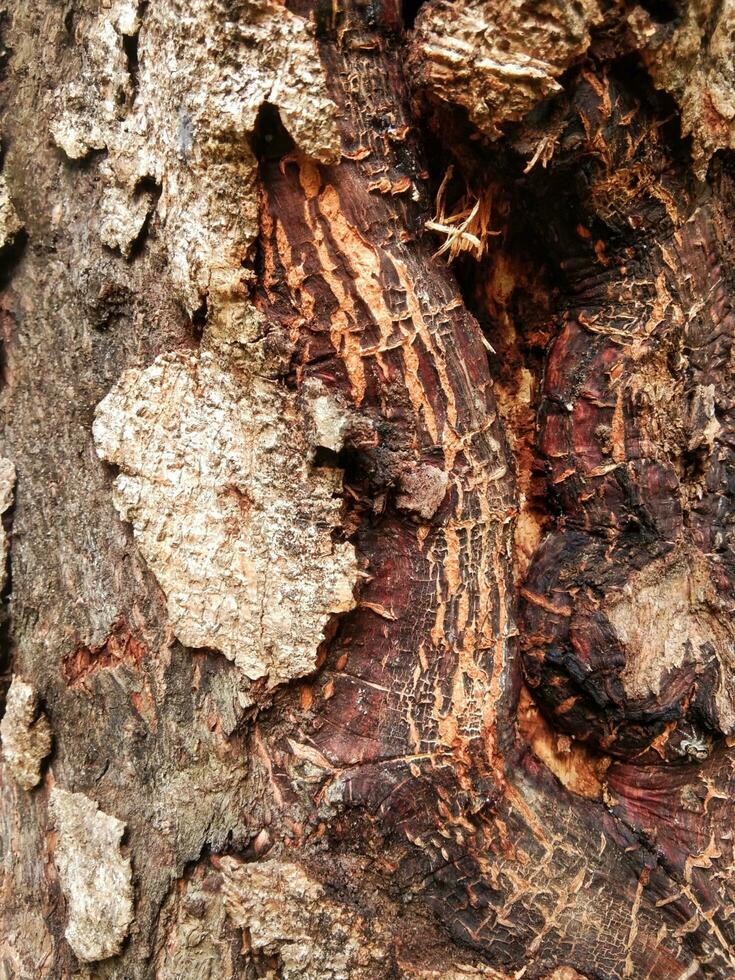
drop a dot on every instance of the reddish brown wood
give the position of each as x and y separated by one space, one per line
415 705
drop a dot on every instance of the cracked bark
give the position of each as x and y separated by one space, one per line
509 752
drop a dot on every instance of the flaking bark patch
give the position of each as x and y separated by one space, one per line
228 511
7 486
695 62
205 70
95 877
10 223
422 490
497 60
200 940
669 621
25 733
287 914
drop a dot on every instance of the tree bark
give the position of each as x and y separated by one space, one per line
366 486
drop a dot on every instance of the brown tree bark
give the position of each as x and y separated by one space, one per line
366 484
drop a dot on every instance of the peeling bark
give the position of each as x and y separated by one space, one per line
95 877
498 60
391 361
228 513
25 733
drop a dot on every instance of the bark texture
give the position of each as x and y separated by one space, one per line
367 479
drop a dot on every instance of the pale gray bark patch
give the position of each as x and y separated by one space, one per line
91 105
197 938
95 876
10 223
289 918
25 733
204 75
330 416
497 60
228 510
695 62
122 219
287 914
669 615
216 477
7 487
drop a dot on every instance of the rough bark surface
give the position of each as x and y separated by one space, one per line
366 489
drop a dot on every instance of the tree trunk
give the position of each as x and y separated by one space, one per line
367 481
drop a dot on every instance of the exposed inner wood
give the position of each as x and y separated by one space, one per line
421 682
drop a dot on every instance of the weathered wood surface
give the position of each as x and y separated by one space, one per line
509 755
